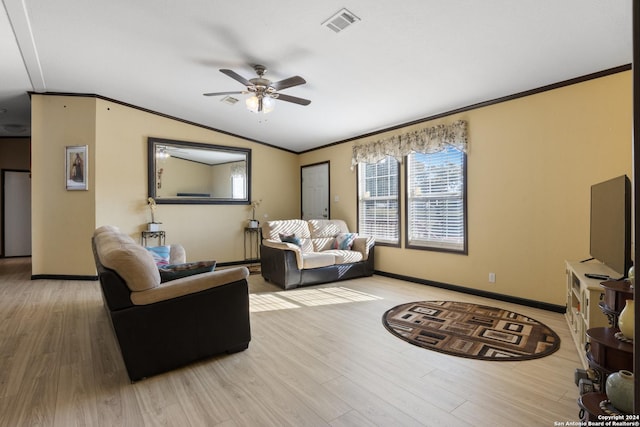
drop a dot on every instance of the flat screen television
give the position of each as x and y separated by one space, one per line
610 225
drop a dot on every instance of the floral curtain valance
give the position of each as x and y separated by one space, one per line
426 140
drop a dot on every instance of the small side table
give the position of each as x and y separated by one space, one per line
160 235
590 406
607 354
254 236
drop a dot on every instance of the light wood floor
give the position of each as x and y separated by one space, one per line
322 358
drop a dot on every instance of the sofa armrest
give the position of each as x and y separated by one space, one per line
363 244
286 247
280 267
189 285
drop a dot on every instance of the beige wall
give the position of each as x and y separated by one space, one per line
63 221
530 167
184 176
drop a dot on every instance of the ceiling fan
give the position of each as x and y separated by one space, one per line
264 90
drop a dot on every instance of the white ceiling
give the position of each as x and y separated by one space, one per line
404 61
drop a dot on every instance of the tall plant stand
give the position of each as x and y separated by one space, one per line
252 239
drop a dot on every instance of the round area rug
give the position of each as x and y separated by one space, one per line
471 330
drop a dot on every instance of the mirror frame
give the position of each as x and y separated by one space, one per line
153 142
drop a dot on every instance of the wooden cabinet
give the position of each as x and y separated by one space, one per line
607 354
583 298
616 294
593 307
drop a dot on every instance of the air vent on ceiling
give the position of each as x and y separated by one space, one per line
229 100
341 20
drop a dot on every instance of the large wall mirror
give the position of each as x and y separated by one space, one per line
194 173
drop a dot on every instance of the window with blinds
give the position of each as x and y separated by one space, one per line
378 201
436 201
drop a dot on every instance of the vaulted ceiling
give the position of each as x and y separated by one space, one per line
400 61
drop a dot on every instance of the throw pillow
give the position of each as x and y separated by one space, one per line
161 254
344 241
290 238
176 271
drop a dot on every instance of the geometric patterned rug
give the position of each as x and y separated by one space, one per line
471 330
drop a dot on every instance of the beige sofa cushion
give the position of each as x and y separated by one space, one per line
189 285
345 257
104 236
324 231
106 229
298 227
177 254
317 259
131 261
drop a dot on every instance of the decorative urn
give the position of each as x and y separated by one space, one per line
619 389
626 319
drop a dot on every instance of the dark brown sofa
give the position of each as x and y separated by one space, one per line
162 326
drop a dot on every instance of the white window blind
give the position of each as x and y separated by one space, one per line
436 200
237 187
378 200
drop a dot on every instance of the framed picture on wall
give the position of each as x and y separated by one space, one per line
76 167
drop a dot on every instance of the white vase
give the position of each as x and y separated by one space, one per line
153 226
620 391
627 319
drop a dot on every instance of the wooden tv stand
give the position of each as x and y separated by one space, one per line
583 297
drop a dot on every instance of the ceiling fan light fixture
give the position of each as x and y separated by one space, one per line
268 104
253 103
260 104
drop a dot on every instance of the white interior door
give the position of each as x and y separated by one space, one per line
16 213
315 191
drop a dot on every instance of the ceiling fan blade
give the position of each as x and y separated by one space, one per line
293 99
237 77
290 82
223 93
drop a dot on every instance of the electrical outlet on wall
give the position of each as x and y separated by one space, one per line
492 277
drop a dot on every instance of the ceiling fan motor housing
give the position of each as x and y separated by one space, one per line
261 70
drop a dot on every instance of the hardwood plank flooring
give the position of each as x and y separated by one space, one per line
319 356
